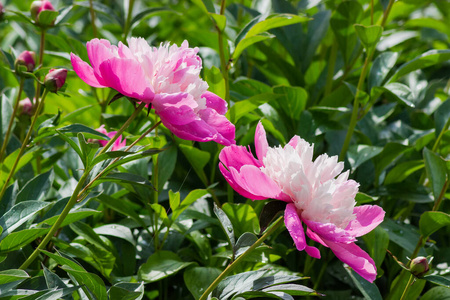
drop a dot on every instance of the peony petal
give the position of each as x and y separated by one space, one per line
126 77
237 156
175 109
294 141
315 237
356 258
98 52
258 183
220 124
85 71
367 218
312 251
233 178
329 231
294 226
215 102
261 143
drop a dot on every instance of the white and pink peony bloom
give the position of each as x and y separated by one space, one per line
117 145
318 195
167 78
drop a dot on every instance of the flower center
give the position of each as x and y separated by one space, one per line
312 185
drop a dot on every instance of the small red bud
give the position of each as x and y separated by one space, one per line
2 10
38 6
25 107
55 79
27 59
419 266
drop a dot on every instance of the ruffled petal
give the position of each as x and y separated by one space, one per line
261 143
294 226
126 77
294 141
367 218
237 156
98 52
329 231
85 71
233 178
258 183
177 112
215 102
356 258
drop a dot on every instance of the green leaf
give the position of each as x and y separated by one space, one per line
205 5
122 206
369 290
248 41
71 144
381 67
377 242
431 221
60 259
160 265
243 218
20 214
47 17
401 171
436 171
18 239
293 100
85 231
126 291
36 188
219 20
5 115
437 292
398 91
442 117
226 224
215 81
93 282
359 154
74 129
161 213
369 36
10 159
149 12
198 279
174 200
132 157
423 61
403 235
190 198
275 21
198 160
116 230
125 178
109 155
244 107
391 152
53 280
245 241
269 212
73 216
342 20
12 275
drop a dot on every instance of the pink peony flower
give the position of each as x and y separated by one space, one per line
167 77
118 144
318 195
27 59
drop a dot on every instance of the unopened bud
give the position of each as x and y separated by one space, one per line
2 11
25 59
419 266
38 6
25 107
55 79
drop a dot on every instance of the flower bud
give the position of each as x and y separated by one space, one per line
38 6
2 11
26 59
26 107
55 79
419 266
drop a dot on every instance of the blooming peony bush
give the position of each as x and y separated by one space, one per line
130 174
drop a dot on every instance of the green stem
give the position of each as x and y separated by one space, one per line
231 266
76 193
408 285
128 20
72 201
386 12
92 12
11 120
41 60
22 148
331 65
354 117
441 134
371 12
